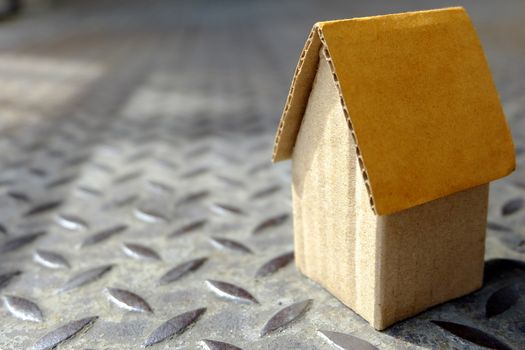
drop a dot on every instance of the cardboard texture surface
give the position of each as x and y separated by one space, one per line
419 96
329 206
386 268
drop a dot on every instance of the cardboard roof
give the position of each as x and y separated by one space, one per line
420 100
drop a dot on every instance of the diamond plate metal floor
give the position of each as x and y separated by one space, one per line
138 205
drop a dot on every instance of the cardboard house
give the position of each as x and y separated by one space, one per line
395 130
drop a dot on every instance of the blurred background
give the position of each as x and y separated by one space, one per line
238 54
153 116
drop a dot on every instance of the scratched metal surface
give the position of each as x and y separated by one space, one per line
136 187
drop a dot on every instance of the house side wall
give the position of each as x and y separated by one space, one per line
430 254
328 190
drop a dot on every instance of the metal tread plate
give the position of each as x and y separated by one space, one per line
147 213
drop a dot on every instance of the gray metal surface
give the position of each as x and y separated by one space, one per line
137 190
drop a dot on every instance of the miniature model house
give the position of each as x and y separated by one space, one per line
395 129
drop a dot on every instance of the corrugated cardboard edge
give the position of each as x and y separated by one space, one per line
298 100
362 166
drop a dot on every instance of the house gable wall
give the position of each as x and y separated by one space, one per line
331 201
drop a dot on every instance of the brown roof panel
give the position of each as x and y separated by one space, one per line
421 100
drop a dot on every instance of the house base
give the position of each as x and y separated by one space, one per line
386 268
